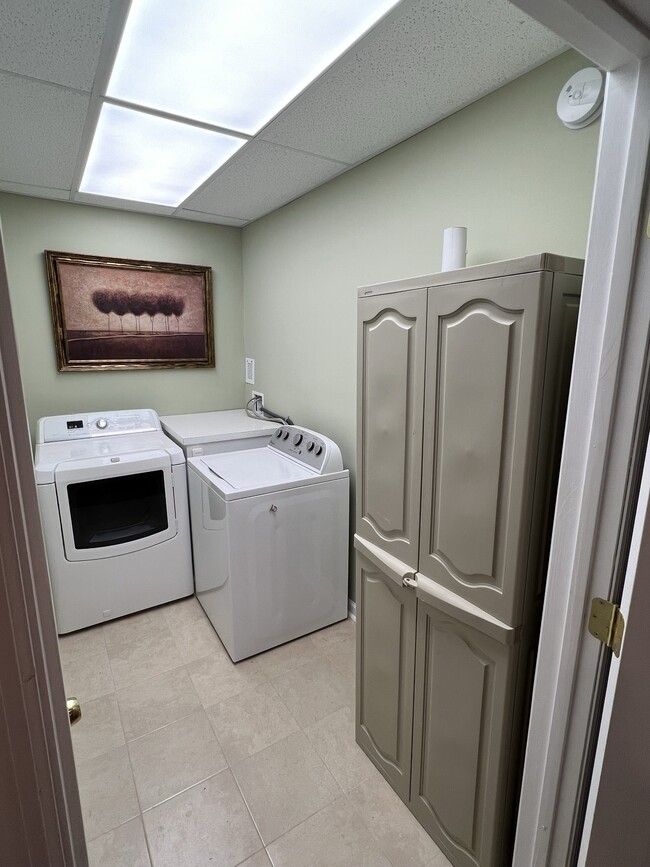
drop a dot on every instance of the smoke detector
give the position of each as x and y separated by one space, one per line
581 99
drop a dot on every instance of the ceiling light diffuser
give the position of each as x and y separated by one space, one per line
233 63
144 158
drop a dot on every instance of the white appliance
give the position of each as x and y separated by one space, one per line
112 494
208 433
270 537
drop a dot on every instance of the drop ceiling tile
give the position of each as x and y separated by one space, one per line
425 61
121 204
40 132
32 190
58 41
260 178
200 217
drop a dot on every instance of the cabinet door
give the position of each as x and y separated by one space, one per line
486 345
464 691
385 667
391 345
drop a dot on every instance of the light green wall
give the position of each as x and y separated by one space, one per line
31 226
505 167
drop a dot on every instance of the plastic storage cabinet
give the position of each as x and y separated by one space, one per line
463 382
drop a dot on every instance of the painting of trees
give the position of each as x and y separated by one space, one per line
104 303
121 303
88 294
138 307
150 306
179 306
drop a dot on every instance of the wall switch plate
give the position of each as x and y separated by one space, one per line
250 371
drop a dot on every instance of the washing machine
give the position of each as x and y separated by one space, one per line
208 433
112 493
270 535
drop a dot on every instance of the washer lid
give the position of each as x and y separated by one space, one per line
254 468
208 427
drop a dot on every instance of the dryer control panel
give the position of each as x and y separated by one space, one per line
57 428
312 449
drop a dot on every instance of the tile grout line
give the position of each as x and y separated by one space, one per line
137 793
164 726
246 804
183 791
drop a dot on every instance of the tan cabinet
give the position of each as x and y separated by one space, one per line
463 381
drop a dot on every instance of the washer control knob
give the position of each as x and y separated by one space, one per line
319 450
310 446
297 439
101 423
285 436
278 433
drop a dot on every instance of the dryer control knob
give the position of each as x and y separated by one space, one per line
310 446
297 439
319 450
285 435
101 423
278 433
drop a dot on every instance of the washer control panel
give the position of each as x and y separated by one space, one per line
309 448
85 425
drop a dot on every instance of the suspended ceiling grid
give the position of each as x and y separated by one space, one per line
422 62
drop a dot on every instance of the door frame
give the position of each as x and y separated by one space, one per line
605 396
603 445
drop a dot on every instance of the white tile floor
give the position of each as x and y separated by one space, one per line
185 759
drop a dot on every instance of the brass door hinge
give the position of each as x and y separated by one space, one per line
606 623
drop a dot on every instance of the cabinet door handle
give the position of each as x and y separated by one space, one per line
409 581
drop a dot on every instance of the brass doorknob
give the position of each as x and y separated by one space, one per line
74 710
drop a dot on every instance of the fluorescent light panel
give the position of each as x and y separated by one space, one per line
144 158
233 63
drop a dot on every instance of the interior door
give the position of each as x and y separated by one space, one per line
39 800
618 826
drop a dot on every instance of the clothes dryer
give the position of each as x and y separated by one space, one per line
112 494
270 538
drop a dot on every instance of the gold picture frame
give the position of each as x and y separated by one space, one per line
125 314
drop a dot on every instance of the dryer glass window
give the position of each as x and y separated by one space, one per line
107 512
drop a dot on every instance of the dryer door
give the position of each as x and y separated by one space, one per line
115 505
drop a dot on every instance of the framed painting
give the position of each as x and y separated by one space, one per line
120 314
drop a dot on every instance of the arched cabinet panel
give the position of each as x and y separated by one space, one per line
461 733
391 346
385 662
486 347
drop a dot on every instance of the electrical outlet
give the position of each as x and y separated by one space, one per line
260 398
